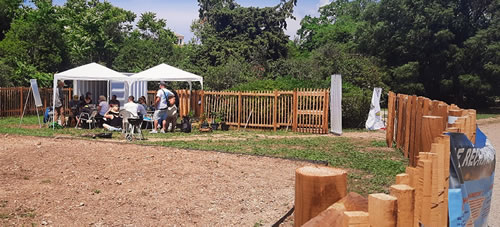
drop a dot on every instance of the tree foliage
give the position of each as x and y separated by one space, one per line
443 49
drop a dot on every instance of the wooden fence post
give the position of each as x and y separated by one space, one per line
295 110
275 111
21 105
240 109
202 107
326 105
391 105
382 210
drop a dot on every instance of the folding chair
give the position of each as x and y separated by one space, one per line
87 118
131 125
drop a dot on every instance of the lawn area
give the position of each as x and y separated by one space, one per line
371 165
486 115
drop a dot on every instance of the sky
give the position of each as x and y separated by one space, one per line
181 13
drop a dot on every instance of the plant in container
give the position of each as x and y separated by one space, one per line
215 121
203 121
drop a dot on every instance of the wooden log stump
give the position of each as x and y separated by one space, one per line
382 210
405 203
316 188
333 215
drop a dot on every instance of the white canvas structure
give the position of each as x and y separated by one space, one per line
374 121
164 72
88 72
336 104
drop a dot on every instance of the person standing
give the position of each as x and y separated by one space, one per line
161 107
59 107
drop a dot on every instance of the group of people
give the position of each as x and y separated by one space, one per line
108 117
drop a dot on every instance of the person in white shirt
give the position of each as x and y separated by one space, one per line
103 105
161 107
135 109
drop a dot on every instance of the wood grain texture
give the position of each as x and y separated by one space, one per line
316 188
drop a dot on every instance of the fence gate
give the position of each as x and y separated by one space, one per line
311 111
300 110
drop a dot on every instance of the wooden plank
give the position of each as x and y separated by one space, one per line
432 127
418 131
382 210
391 108
356 219
295 110
407 123
240 109
411 137
401 121
326 105
405 204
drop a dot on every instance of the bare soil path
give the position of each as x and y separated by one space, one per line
492 131
63 182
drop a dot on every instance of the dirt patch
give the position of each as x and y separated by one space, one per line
487 121
65 182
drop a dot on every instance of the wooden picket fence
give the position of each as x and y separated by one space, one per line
13 99
303 110
187 101
417 125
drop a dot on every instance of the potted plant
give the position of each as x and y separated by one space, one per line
223 125
203 121
215 121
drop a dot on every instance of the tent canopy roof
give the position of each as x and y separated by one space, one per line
91 71
166 73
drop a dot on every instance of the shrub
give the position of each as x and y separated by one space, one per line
355 106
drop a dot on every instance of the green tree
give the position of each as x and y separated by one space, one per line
33 42
148 45
94 31
8 10
227 31
422 43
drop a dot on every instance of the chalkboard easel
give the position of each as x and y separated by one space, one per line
38 101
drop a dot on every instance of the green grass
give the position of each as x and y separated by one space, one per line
485 116
371 167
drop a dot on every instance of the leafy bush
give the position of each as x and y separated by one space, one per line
280 83
355 106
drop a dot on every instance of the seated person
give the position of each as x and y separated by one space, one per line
75 110
113 101
135 109
142 101
101 110
171 114
113 120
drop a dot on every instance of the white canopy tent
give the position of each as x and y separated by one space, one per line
164 72
88 72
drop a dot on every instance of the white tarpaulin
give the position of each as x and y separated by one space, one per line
164 72
336 105
374 121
